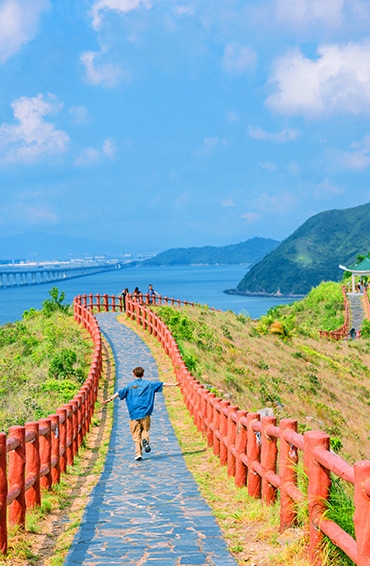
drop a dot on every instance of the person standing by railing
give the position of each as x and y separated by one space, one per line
139 395
123 295
151 294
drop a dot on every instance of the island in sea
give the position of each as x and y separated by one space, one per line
248 253
311 254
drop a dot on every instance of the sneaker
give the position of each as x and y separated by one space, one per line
146 445
138 458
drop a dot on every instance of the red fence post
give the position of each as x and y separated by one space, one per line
55 455
80 403
16 475
69 441
98 301
3 495
231 437
74 404
210 398
362 511
33 496
268 459
106 306
45 453
62 412
241 470
288 460
114 303
216 425
318 490
253 455
223 432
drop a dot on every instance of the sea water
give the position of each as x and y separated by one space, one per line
199 283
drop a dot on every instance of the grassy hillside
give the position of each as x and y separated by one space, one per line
249 252
323 309
322 384
312 253
44 360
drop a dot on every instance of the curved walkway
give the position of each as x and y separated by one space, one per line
150 512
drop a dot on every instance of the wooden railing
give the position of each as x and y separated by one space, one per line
263 455
105 303
34 455
342 333
366 304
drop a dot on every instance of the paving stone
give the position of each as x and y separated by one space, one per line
149 511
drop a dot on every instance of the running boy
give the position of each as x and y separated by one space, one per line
139 395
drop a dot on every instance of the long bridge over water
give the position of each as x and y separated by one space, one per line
18 276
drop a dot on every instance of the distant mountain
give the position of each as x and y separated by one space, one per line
38 247
311 254
246 252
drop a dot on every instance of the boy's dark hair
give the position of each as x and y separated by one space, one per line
138 372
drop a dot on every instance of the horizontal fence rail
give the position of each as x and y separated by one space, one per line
34 456
259 453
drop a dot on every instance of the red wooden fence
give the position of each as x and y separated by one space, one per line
259 453
341 333
34 455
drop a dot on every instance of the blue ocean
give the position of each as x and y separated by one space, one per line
199 283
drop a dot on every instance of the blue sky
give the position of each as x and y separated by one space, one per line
160 124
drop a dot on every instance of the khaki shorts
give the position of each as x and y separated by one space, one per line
140 430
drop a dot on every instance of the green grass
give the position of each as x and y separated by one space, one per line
44 359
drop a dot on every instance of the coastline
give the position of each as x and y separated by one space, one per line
277 295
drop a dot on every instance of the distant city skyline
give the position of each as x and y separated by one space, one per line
157 124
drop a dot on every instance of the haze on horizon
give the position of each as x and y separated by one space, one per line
164 123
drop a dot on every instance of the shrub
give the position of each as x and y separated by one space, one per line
62 364
55 303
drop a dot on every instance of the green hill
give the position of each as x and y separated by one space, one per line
311 254
249 252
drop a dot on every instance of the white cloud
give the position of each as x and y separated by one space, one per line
356 159
182 10
326 188
269 166
87 157
232 116
209 144
120 6
284 136
281 203
300 13
19 21
109 148
32 137
91 155
79 114
108 75
337 81
250 217
353 160
227 202
238 59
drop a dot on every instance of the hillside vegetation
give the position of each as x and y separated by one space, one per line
277 362
248 252
44 359
312 253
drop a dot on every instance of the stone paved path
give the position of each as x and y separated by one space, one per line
150 512
357 310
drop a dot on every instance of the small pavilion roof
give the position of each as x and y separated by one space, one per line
362 267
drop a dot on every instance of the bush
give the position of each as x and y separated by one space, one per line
62 364
55 303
